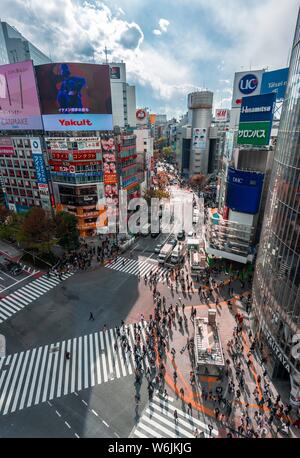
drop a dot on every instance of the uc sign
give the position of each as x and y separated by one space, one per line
248 84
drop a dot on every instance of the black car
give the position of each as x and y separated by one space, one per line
17 270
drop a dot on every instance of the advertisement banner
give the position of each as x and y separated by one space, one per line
275 81
221 115
244 190
83 156
229 137
19 104
109 161
75 96
115 73
245 83
254 133
40 168
60 156
258 108
199 138
6 146
37 156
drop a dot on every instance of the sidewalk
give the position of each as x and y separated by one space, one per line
183 364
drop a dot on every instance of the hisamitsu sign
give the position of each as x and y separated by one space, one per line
258 108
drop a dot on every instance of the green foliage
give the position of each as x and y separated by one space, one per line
66 230
37 232
155 193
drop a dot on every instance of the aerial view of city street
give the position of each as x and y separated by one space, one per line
149 222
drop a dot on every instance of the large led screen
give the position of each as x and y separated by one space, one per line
75 96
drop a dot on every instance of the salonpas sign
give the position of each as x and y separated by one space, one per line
254 133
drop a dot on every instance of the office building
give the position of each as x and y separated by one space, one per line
16 48
122 97
276 287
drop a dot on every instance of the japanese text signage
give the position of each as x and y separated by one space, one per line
6 146
276 82
256 120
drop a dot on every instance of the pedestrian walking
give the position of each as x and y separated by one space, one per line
68 355
91 317
104 328
190 407
175 416
210 429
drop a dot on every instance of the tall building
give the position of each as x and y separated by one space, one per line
122 97
15 48
276 288
200 107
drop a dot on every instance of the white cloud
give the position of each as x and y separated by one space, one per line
163 24
156 32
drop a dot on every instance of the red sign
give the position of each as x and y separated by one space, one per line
221 114
85 155
110 178
141 114
61 156
6 147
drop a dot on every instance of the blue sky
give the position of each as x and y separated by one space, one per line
170 47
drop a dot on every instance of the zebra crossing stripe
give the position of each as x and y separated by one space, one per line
67 367
79 369
13 383
54 372
40 374
11 303
97 358
158 421
18 390
92 364
27 379
137 267
18 297
15 301
72 389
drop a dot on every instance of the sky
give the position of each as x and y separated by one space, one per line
170 48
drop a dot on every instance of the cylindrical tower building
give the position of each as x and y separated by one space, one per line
276 287
200 109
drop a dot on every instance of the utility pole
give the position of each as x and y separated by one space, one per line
105 50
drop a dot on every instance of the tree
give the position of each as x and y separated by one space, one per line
167 151
37 232
155 193
11 228
66 230
4 213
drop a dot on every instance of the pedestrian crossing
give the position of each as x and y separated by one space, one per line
41 374
158 421
29 269
22 297
137 267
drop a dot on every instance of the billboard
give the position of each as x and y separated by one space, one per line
276 82
245 83
6 146
109 162
221 114
258 108
38 160
229 137
115 73
244 190
254 133
256 119
75 96
19 104
199 138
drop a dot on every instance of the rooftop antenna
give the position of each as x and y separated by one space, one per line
106 52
